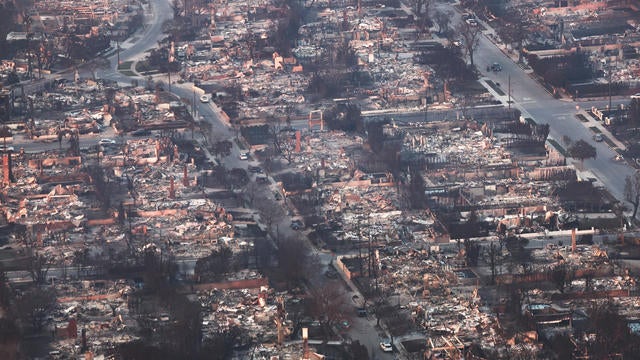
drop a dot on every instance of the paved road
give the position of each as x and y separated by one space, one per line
534 101
142 41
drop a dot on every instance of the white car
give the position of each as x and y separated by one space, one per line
386 347
244 156
107 142
205 98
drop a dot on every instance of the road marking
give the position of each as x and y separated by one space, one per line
526 102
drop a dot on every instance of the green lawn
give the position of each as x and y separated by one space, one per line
582 118
496 88
125 65
127 73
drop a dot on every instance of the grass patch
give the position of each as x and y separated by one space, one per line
495 88
595 129
558 147
582 118
609 142
143 67
125 65
128 73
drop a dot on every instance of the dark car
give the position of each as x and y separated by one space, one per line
255 169
297 225
141 132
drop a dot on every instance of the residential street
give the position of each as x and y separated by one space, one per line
534 101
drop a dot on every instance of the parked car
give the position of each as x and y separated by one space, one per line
205 99
244 156
255 169
598 137
331 274
297 225
386 346
107 142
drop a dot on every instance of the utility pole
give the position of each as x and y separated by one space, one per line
509 91
360 248
610 71
193 104
426 94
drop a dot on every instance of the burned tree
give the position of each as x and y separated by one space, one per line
470 39
34 305
329 305
39 265
215 265
632 191
514 30
295 260
443 19
270 212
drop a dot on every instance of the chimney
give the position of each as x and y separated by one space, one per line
84 340
172 189
305 342
298 147
185 179
445 91
573 240
6 177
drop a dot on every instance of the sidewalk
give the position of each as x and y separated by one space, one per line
597 127
593 124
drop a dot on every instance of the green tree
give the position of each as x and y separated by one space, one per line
582 150
222 148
